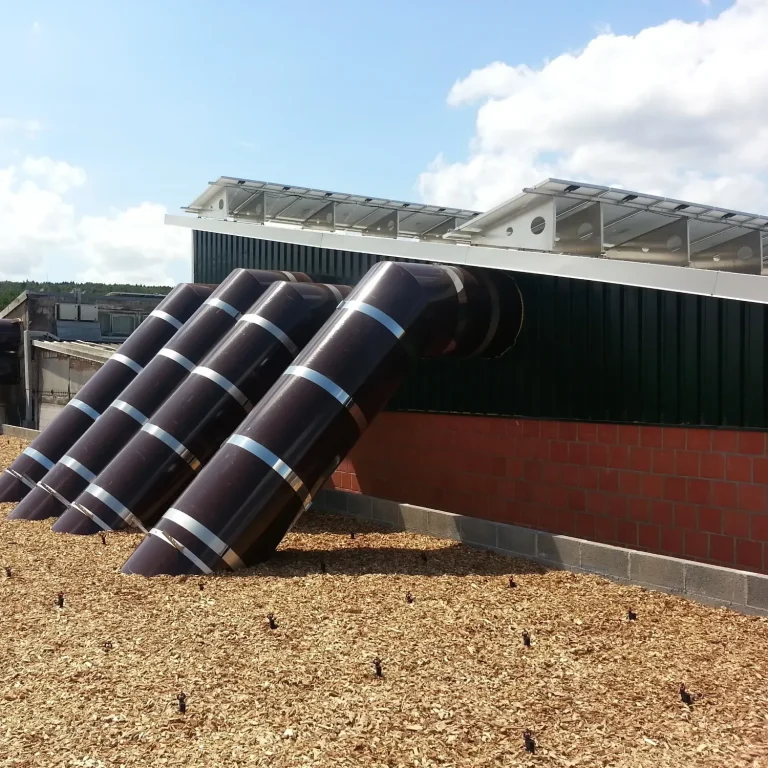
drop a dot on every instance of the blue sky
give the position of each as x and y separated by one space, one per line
153 99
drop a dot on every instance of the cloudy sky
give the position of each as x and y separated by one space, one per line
112 115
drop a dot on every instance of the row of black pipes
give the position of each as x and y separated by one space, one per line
220 418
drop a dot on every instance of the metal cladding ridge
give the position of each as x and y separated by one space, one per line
241 505
150 472
131 411
101 389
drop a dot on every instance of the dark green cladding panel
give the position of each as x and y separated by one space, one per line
587 351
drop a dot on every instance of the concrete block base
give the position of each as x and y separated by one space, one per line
707 584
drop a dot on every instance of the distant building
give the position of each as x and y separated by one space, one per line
63 340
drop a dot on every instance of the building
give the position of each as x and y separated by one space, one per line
64 340
633 409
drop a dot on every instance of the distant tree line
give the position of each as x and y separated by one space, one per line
10 289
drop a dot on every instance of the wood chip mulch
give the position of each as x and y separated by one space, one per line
95 682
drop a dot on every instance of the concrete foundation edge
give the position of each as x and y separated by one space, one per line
21 432
708 584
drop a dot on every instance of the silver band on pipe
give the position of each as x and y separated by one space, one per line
118 508
382 317
291 277
167 317
39 458
132 364
335 291
225 384
332 389
191 556
76 466
273 329
85 408
173 444
134 413
208 537
171 354
228 308
277 464
23 478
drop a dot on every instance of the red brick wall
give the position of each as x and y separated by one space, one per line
701 494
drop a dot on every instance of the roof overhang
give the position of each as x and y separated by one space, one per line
94 353
661 276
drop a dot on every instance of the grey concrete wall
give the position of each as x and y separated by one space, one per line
709 584
20 432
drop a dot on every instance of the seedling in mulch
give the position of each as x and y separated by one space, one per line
526 639
107 646
424 557
530 742
352 535
377 662
408 597
182 699
60 600
103 539
631 615
687 697
323 567
512 582
201 586
271 620
8 571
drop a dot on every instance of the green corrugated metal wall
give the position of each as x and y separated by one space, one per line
588 351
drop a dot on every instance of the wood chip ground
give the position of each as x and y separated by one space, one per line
458 688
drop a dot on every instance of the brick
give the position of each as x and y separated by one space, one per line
752 443
736 523
725 440
605 559
717 583
617 505
651 437
672 541
757 591
629 434
662 512
513 538
640 459
565 522
657 570
686 516
698 440
664 462
698 491
696 544
558 497
630 483
724 494
712 466
648 536
618 457
587 433
589 478
558 550
596 502
760 471
608 480
578 453
577 500
570 475
759 527
607 433
568 430
558 451
653 486
532 470
749 554
687 463
626 533
710 519
531 428
605 528
738 468
722 549
674 489
752 498
585 525
598 455
638 509
673 437
478 532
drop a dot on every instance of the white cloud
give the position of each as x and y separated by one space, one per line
25 128
680 109
43 235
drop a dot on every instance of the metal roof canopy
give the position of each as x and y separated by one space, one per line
559 216
263 202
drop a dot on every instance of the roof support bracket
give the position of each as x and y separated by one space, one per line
742 253
323 218
581 232
668 244
386 226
